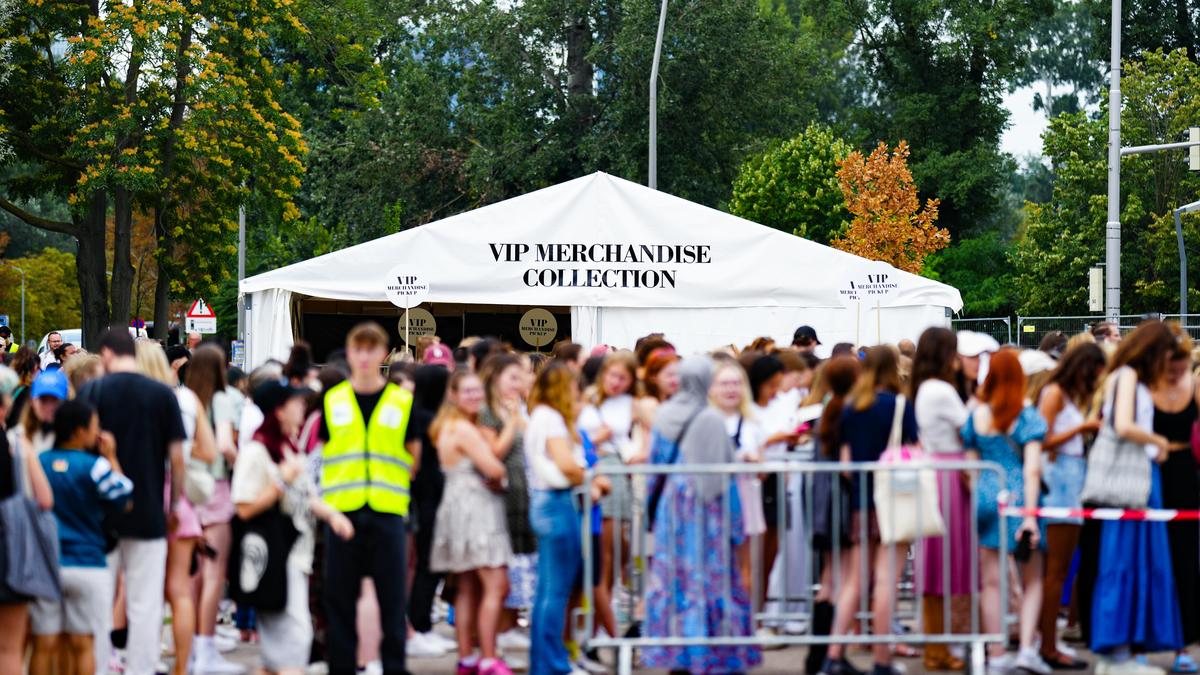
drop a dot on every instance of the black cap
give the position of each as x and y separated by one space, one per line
805 335
273 393
5 331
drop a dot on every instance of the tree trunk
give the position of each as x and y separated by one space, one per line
162 284
89 267
122 266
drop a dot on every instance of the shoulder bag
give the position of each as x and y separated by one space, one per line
258 560
660 482
30 539
906 498
1118 471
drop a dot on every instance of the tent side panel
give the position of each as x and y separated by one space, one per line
270 334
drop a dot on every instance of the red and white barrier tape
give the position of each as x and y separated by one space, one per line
1155 515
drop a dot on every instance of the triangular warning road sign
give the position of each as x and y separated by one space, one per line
201 310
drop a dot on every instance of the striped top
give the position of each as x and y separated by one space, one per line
84 487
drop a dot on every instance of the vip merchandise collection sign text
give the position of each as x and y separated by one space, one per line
609 256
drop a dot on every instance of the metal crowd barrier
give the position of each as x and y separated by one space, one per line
790 603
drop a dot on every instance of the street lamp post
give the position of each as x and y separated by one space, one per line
653 169
1183 289
1112 229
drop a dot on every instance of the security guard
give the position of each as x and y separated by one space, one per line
368 460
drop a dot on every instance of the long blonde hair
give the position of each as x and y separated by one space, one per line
554 388
449 412
621 359
880 371
152 362
744 408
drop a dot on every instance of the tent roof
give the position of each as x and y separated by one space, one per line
601 241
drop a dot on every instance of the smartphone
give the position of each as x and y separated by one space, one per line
1024 547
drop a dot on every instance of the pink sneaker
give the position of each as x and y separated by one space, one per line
496 667
464 669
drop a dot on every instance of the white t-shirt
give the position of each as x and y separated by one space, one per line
252 473
546 423
617 414
749 440
223 412
189 407
251 419
773 419
941 415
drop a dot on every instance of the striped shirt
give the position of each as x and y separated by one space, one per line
85 488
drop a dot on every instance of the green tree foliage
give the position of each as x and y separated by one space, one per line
159 107
1147 25
1065 237
978 267
1062 53
419 110
51 293
794 186
934 74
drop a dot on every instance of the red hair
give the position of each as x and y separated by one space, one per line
1004 388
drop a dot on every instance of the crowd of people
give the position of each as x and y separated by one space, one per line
324 510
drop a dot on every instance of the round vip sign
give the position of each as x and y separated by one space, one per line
538 327
406 286
420 324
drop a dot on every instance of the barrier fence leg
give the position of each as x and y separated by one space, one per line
625 660
977 663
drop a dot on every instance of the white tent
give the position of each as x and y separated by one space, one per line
627 261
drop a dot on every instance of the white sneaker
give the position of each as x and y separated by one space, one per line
420 647
1000 665
224 643
516 663
229 631
444 642
1029 659
513 640
769 633
1105 666
590 666
1066 650
795 627
374 668
208 661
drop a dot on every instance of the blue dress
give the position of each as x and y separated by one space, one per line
996 448
1134 602
692 574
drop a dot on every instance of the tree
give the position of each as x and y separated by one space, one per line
1062 53
889 223
159 106
1147 25
51 293
934 73
477 102
1065 237
794 186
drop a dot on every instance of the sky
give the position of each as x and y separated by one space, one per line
1024 134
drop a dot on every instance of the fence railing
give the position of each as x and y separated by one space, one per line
1030 330
695 554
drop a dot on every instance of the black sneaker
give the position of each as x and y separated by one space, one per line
840 667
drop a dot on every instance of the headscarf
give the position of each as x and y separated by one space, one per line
706 441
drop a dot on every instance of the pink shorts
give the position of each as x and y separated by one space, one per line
189 523
219 509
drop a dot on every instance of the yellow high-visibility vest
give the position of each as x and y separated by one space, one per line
366 464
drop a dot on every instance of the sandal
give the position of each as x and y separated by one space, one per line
1060 661
1184 663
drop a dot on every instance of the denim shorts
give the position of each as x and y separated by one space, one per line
1064 477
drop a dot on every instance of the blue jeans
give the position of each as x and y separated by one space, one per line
555 521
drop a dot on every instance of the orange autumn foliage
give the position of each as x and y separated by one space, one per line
889 223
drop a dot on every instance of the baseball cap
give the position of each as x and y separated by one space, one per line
438 354
50 383
971 343
5 331
805 335
1034 361
273 393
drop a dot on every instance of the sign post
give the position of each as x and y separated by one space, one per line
200 318
406 287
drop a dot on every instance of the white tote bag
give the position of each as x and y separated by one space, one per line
906 499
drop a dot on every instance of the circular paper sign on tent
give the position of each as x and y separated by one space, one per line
420 324
406 287
874 285
538 327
